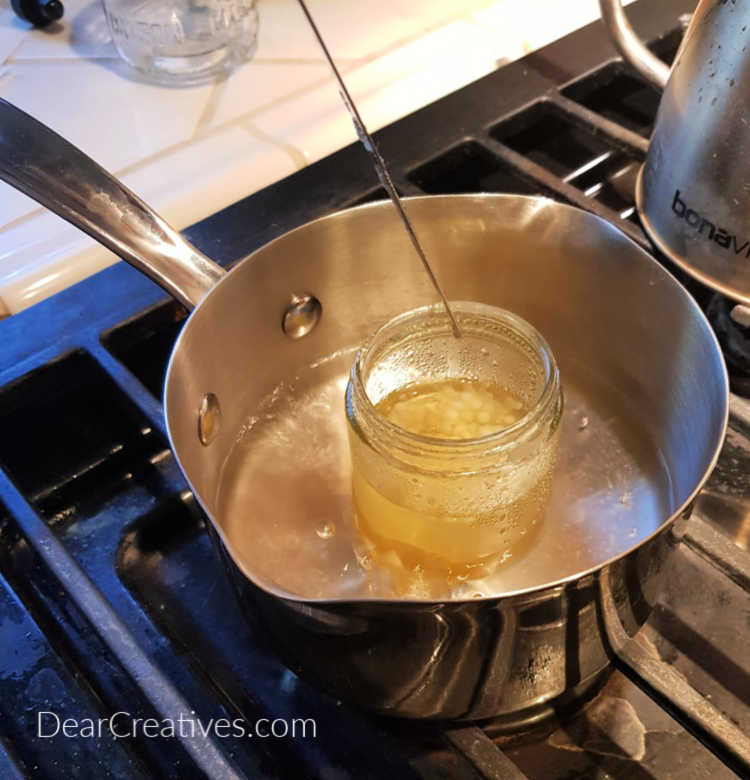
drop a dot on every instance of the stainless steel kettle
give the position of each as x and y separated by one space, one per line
693 192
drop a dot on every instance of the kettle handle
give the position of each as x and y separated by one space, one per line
629 44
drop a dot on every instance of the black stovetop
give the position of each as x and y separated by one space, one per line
112 598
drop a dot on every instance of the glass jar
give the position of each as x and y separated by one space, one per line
452 507
183 41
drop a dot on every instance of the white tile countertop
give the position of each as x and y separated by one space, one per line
192 151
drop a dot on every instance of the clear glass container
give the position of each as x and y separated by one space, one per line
183 41
427 506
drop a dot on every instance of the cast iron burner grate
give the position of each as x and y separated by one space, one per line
471 167
113 598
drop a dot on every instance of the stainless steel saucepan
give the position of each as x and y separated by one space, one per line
254 407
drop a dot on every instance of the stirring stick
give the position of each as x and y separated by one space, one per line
380 168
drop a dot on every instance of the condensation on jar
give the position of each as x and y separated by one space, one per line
453 443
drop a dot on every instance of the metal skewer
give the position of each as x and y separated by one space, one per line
380 168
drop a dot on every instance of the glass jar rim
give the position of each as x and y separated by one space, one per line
495 441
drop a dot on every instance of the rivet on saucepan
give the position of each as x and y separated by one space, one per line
209 419
301 316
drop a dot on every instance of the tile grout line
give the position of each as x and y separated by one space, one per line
9 58
402 43
526 46
73 60
297 156
351 66
29 61
209 108
35 212
275 103
197 135
244 121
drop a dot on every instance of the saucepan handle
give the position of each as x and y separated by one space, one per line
49 169
629 44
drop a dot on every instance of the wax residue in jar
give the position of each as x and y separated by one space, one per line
452 409
429 528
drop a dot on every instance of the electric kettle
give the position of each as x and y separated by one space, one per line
693 191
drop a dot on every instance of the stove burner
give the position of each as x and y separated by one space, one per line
617 95
470 167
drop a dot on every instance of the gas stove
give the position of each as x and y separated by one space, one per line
114 602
